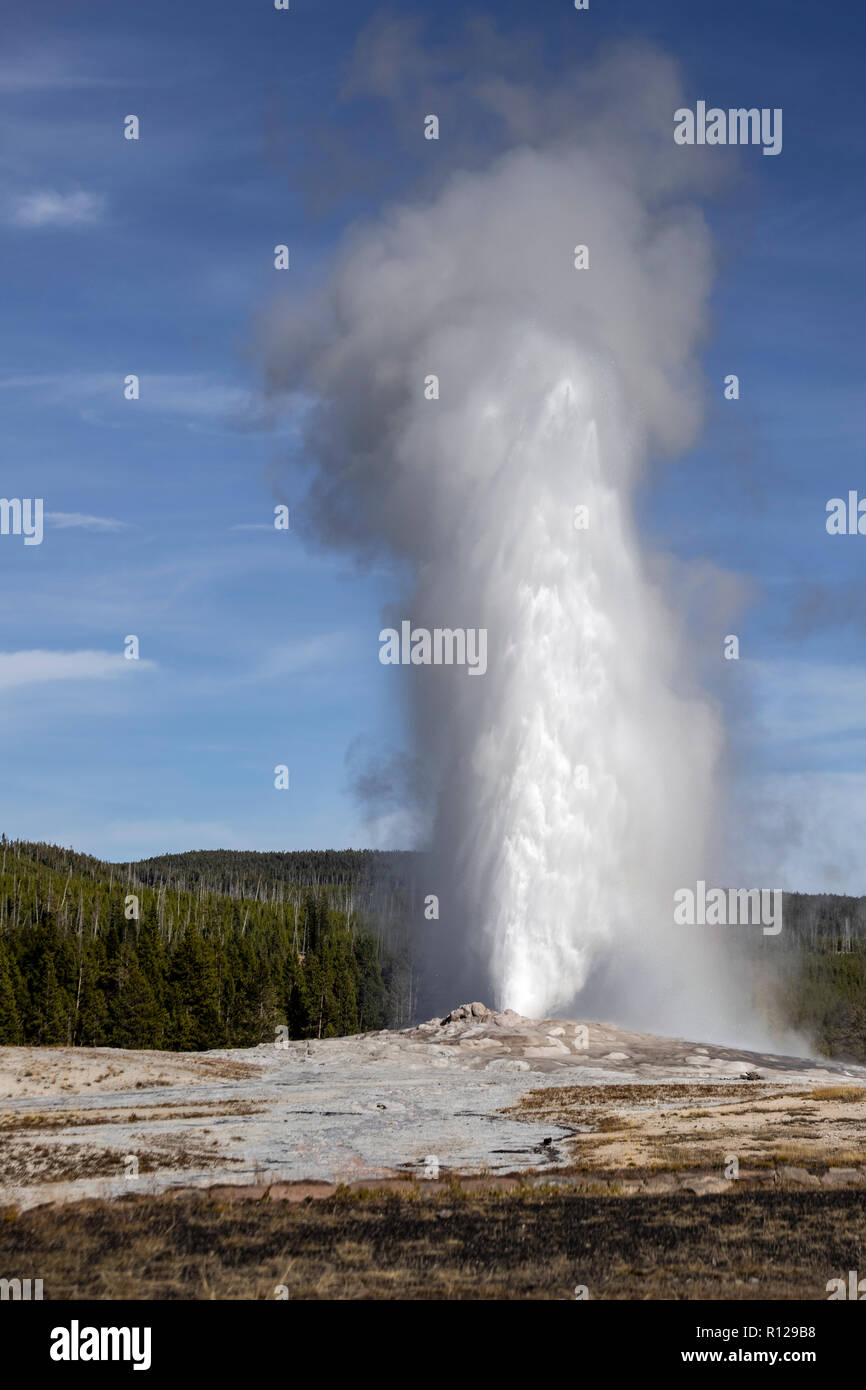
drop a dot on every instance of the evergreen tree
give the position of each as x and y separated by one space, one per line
10 1022
193 996
136 1018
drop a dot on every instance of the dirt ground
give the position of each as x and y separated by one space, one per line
646 1132
57 1071
512 1159
475 1092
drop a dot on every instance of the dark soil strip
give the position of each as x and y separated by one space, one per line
531 1245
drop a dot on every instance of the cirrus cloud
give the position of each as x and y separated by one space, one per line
41 667
47 208
65 521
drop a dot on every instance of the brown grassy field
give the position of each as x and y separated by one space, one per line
524 1244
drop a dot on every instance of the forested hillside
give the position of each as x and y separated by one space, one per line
106 955
219 948
247 873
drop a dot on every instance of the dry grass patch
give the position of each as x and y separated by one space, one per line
538 1246
655 1129
843 1093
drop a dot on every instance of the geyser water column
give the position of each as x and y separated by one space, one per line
569 789
575 781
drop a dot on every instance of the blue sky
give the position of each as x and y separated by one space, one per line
153 257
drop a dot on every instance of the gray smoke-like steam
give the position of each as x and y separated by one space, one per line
557 387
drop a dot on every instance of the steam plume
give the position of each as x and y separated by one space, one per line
557 386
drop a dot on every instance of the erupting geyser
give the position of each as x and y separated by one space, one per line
570 787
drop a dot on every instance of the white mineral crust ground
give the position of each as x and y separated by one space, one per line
343 1109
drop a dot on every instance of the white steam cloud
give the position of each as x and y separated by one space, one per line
557 386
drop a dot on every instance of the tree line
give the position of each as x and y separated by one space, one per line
90 955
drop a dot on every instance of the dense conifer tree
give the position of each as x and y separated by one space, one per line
96 955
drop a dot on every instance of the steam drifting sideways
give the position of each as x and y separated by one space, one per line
571 789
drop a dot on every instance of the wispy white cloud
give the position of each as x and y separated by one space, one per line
65 521
44 667
44 69
306 654
797 700
47 208
174 393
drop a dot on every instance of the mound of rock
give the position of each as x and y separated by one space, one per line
464 1012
